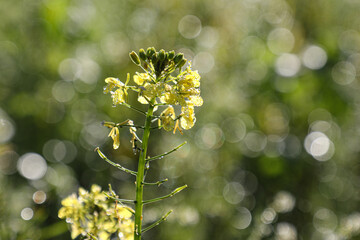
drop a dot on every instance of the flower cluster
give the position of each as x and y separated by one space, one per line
92 214
156 86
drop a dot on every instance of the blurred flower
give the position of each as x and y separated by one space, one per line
91 213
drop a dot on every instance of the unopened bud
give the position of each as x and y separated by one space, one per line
178 58
150 52
142 54
134 57
154 58
162 55
171 55
146 66
181 63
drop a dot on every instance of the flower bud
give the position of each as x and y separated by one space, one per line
134 57
154 58
181 63
150 52
142 54
162 55
178 58
171 55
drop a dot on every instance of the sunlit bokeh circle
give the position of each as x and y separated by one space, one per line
32 166
285 231
7 130
234 129
325 221
204 62
268 215
39 197
280 40
318 145
242 219
27 214
63 91
234 192
314 57
189 26
344 73
287 65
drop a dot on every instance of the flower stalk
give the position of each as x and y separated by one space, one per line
140 174
156 88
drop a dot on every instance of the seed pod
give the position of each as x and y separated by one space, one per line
134 57
178 58
171 55
162 55
142 54
150 52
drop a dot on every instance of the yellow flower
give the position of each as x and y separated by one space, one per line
119 96
196 100
112 83
141 78
93 213
114 134
187 119
167 119
148 92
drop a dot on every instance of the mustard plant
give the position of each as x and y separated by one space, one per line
164 83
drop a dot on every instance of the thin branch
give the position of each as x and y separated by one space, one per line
163 218
166 153
134 108
92 236
158 183
119 199
114 164
179 189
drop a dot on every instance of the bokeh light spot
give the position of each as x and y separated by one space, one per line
287 65
242 219
39 197
7 130
343 73
63 91
32 166
204 62
314 57
27 214
325 221
319 145
280 40
189 26
234 192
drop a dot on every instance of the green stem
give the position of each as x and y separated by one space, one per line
179 189
166 153
140 174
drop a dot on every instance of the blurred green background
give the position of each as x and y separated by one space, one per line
275 150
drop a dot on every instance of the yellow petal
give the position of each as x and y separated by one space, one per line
196 100
188 119
114 134
138 80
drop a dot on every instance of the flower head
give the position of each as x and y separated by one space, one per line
158 84
92 213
